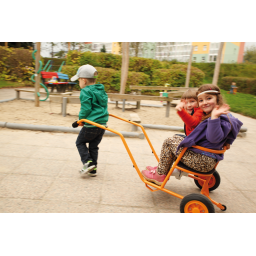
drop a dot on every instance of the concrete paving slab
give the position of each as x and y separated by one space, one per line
54 206
126 194
17 150
24 186
118 209
10 163
75 190
41 167
17 205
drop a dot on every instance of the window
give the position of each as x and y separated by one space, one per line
114 45
205 48
210 58
196 48
194 59
203 59
214 58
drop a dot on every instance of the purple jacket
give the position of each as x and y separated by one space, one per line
213 134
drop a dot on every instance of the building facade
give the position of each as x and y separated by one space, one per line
232 52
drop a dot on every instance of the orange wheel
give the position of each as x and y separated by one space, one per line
195 207
213 183
196 203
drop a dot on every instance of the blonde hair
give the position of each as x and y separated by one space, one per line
209 87
189 94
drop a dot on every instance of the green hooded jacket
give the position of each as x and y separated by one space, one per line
94 104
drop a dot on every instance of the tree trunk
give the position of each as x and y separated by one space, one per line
189 68
37 76
217 65
6 44
125 66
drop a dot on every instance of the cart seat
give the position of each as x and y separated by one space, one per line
180 164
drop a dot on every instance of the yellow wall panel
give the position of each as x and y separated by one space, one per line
200 46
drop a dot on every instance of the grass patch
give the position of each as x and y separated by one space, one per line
207 80
10 84
241 103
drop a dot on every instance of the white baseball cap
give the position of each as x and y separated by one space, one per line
85 71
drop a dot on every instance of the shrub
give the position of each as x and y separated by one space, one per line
244 84
16 64
176 76
111 78
108 60
99 59
144 65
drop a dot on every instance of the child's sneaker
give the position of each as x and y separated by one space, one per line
93 173
87 167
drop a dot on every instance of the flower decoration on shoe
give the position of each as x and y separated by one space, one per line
153 176
149 168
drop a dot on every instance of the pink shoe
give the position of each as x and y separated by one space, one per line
153 176
149 168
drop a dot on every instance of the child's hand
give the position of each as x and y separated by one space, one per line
227 146
180 105
217 111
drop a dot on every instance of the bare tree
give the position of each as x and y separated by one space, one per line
217 65
125 66
136 47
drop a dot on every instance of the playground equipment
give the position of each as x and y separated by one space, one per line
60 86
192 203
38 72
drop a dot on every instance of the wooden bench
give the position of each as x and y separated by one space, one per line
18 91
131 97
61 87
160 88
136 119
64 100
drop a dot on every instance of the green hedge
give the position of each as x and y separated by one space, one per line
176 76
234 70
244 84
56 61
16 64
108 60
111 78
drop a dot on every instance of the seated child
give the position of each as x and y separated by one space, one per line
189 111
191 115
217 128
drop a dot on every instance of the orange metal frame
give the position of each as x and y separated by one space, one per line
205 178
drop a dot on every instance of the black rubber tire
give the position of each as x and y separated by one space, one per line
217 181
199 197
225 208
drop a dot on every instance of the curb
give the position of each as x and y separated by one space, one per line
50 128
176 128
7 100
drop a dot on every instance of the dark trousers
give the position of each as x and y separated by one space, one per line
93 137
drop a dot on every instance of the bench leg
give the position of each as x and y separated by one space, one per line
134 128
116 104
123 105
64 106
17 95
167 109
138 105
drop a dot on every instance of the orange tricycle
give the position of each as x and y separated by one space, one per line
192 203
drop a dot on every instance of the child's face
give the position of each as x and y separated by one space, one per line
207 102
190 104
